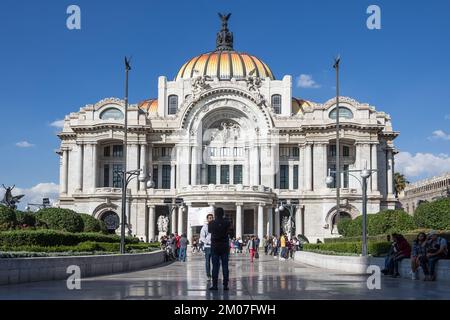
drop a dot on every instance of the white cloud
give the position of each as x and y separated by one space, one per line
58 124
24 144
306 81
439 134
36 193
422 165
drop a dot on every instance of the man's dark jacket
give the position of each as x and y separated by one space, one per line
219 229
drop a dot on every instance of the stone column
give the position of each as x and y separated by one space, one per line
261 223
320 165
298 220
160 166
143 165
64 171
269 221
231 173
374 162
246 168
189 228
180 221
173 221
239 220
172 176
194 165
132 164
94 167
151 222
218 173
291 176
308 167
390 170
255 221
301 168
277 223
79 182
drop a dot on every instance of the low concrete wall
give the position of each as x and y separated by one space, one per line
21 270
359 265
345 263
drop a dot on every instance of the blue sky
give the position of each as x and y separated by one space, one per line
49 71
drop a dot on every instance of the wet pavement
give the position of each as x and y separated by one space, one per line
266 278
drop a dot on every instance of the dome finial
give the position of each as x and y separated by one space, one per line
224 37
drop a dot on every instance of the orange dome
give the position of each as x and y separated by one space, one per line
224 64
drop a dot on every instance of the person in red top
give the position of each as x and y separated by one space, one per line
177 241
402 251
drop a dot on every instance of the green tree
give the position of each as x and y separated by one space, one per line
400 183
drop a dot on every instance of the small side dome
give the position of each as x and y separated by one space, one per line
149 106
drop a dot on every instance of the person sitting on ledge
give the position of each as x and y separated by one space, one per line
403 251
419 251
436 249
388 269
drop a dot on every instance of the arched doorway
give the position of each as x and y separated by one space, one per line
343 215
111 220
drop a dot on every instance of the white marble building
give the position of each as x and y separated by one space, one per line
225 132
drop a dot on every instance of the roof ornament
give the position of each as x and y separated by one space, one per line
254 84
224 39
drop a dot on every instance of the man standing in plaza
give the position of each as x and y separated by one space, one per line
205 239
220 247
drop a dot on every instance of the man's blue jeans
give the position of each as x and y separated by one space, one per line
216 260
182 256
208 261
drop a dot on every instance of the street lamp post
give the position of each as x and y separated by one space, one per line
127 176
364 174
338 163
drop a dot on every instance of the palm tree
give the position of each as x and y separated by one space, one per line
400 183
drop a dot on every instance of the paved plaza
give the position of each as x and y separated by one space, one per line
267 278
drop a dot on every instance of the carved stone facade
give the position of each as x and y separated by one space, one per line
237 143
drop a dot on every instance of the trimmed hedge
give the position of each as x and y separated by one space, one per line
374 248
410 236
25 219
87 246
8 218
55 238
387 221
61 219
90 224
434 215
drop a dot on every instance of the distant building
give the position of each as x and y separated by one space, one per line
425 190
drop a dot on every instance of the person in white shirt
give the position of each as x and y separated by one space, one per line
205 239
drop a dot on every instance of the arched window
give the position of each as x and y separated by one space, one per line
276 103
111 114
173 104
344 113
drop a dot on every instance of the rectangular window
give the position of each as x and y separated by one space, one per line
212 174
118 151
107 151
346 151
155 177
284 151
106 175
295 151
212 152
296 176
225 152
117 175
155 152
333 150
333 174
224 174
237 152
237 174
166 176
284 177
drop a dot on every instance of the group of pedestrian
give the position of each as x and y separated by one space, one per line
175 245
281 247
426 251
